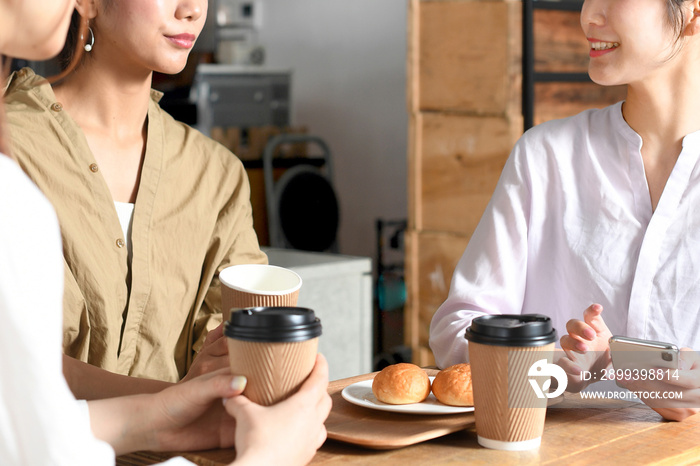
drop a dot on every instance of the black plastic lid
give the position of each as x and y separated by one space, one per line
512 330
273 324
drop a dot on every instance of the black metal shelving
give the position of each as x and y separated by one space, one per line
530 77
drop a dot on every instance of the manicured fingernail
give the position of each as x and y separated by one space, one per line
588 334
581 346
239 382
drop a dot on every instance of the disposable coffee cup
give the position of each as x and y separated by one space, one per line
509 356
258 285
274 347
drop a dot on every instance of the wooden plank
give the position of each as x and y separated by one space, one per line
412 56
430 261
636 432
411 307
560 100
459 160
560 45
574 433
415 137
469 56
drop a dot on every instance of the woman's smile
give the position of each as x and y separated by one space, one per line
599 48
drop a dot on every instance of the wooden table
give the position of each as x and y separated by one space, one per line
622 431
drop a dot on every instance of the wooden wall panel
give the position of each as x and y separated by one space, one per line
460 160
468 57
431 260
560 45
560 100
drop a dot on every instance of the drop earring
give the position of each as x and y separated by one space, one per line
88 47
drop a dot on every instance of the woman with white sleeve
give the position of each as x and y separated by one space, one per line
41 423
601 207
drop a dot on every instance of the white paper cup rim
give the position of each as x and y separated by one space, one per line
260 279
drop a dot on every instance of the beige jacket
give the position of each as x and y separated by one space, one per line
192 218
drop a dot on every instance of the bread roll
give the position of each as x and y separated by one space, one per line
453 386
401 384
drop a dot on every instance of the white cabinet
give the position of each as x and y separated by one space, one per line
339 290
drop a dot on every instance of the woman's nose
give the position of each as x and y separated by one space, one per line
191 10
592 13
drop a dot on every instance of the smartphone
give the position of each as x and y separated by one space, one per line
634 353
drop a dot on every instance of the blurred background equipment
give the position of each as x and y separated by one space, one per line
390 295
237 25
302 208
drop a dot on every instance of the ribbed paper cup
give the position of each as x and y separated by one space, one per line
274 370
508 413
258 285
274 347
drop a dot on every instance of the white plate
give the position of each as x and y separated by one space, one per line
360 394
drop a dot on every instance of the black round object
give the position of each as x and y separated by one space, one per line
308 209
273 324
512 330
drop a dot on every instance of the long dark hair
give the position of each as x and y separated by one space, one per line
73 49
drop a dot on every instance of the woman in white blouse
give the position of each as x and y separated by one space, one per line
41 423
602 208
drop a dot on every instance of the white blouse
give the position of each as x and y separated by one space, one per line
41 423
570 224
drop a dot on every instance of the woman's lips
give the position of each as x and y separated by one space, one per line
185 41
601 47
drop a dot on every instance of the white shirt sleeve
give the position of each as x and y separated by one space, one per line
41 423
490 276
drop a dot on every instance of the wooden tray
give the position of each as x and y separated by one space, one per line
381 430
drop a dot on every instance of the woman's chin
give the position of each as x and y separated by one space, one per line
604 79
38 52
173 66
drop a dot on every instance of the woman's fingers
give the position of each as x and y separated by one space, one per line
571 344
689 359
319 374
217 384
234 404
212 357
579 335
215 335
594 318
589 334
322 436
